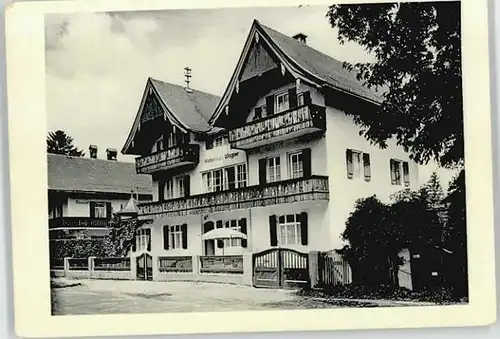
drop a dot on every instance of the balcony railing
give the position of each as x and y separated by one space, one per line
282 192
78 222
167 159
286 125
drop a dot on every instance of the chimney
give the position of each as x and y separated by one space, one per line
301 37
93 151
187 74
111 153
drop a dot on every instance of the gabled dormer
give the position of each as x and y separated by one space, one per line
280 88
170 120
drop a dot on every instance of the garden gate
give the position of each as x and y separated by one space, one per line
280 268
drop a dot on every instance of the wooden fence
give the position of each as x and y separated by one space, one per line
333 269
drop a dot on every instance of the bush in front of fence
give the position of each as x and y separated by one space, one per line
442 295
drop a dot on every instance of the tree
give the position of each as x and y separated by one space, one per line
59 142
416 47
121 236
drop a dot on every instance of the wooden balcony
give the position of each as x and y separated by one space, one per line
282 192
170 158
78 222
278 127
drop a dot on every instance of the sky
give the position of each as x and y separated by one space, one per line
97 64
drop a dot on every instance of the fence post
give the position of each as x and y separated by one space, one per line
247 269
91 266
196 264
66 266
314 268
133 267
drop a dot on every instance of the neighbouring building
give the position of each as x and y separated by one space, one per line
83 193
275 157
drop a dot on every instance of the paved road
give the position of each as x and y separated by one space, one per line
115 297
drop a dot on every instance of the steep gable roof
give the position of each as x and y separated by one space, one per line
188 110
78 174
302 61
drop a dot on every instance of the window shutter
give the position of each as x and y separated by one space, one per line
292 97
219 224
149 241
258 113
187 138
165 237
348 158
393 172
303 228
92 209
220 243
273 232
262 171
367 168
208 226
134 243
243 226
270 104
307 98
109 210
306 162
161 190
187 186
406 173
184 236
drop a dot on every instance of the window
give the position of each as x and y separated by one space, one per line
300 99
209 144
289 229
358 162
296 165
175 236
396 166
159 145
169 189
143 237
282 102
273 169
180 186
235 225
225 178
241 179
100 210
217 141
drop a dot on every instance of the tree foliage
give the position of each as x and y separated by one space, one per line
59 142
377 232
416 46
121 236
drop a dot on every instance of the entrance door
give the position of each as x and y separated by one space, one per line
145 267
281 268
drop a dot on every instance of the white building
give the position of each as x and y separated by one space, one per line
276 157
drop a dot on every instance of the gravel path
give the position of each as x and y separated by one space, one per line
114 297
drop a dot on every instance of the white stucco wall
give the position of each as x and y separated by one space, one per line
343 134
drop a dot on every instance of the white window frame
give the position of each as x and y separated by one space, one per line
397 165
175 237
234 225
273 169
179 186
300 99
241 175
168 190
212 184
289 223
286 102
142 238
100 209
295 165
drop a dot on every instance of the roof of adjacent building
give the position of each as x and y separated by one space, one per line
79 174
320 68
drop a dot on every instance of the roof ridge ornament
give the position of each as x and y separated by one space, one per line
256 37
